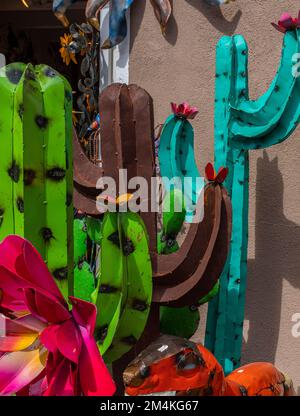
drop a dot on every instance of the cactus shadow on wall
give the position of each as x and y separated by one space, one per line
277 241
215 16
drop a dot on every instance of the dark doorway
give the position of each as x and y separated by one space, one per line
33 35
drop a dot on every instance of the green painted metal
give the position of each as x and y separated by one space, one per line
110 283
84 281
138 290
80 240
177 160
242 125
94 227
180 322
36 167
173 216
125 284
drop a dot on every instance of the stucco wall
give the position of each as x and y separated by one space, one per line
181 67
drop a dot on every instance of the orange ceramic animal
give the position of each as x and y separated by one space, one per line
175 366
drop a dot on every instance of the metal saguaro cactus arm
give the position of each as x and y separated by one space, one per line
242 125
36 164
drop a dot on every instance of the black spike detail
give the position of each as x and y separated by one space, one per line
14 172
130 340
50 73
139 305
80 263
29 176
56 174
46 234
171 242
21 110
14 75
41 122
107 289
101 333
61 274
128 247
20 204
114 238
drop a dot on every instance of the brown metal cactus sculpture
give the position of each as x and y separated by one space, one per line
178 279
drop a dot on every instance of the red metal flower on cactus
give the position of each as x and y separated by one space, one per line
47 349
212 176
184 110
287 22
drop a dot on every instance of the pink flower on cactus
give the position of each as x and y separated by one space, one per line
287 22
184 110
47 349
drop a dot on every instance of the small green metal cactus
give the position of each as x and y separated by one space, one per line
36 164
242 125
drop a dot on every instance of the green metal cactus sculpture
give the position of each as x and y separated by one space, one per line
242 125
36 164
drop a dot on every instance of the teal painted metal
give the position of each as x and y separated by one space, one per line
242 125
177 161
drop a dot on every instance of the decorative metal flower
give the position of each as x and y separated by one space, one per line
287 22
48 349
184 110
66 53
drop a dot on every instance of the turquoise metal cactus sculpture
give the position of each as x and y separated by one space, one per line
36 164
242 125
176 156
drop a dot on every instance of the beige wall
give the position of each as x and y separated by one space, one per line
181 67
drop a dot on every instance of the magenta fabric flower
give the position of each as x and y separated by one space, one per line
184 110
48 349
287 22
